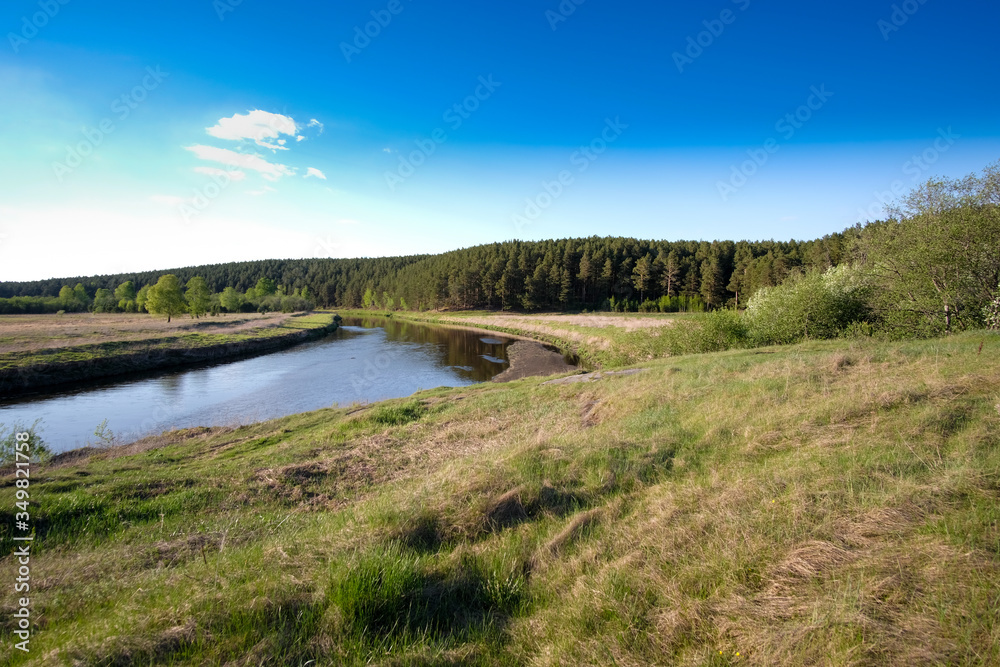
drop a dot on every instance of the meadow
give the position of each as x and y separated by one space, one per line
830 502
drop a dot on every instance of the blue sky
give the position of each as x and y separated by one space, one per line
138 137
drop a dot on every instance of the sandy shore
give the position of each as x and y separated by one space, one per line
529 358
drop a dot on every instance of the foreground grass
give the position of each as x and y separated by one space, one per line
825 503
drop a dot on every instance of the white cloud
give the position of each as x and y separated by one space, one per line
259 126
264 190
215 171
315 123
313 171
272 171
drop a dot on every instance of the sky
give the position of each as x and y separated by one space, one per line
141 136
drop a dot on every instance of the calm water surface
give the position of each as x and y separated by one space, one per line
364 360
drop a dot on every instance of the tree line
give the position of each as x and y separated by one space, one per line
167 296
611 273
933 265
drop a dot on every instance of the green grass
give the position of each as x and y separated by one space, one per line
826 503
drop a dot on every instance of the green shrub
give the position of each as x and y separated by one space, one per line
704 332
814 305
37 449
722 330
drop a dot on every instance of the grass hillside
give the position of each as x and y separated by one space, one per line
825 503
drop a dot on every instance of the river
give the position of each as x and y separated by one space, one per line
365 360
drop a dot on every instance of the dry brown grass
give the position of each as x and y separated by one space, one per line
22 333
563 326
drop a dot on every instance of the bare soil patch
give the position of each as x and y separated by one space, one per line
528 359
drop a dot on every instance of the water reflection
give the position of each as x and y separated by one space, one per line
475 357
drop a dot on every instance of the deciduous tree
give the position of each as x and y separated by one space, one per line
165 297
198 296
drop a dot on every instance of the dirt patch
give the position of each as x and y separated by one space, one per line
529 359
593 377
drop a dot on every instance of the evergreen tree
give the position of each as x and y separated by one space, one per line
642 275
671 273
711 282
586 273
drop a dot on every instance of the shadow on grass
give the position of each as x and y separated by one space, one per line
391 596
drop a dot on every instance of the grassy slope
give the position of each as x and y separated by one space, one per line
832 503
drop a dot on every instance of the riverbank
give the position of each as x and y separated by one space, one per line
527 356
598 340
38 361
831 502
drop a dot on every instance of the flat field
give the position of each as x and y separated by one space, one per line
45 350
23 333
